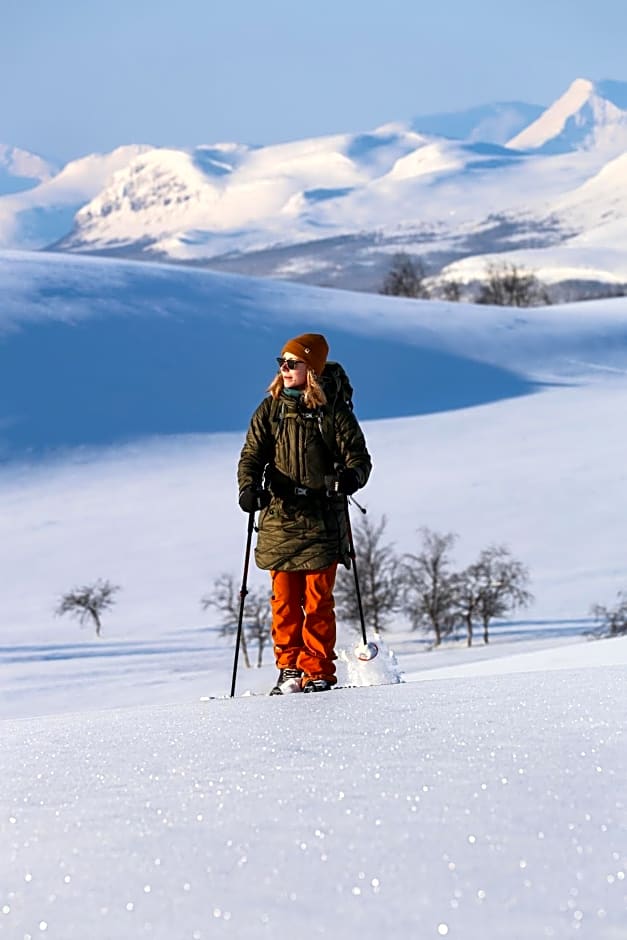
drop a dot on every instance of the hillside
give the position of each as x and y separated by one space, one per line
145 345
475 798
499 425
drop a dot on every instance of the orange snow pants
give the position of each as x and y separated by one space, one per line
303 621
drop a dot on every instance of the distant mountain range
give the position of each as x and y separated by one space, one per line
544 187
491 123
20 170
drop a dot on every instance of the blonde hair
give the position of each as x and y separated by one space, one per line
313 395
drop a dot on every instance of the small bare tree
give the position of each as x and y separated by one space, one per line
256 626
429 587
613 619
507 285
500 585
467 596
258 614
88 602
452 290
405 278
378 578
448 289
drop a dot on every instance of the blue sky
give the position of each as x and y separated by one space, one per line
79 75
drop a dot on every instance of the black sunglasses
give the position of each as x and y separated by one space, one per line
290 363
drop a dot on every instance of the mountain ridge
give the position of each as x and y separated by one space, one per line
331 210
581 117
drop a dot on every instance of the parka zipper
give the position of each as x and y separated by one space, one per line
299 442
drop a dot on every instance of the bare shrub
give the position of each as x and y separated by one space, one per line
405 278
507 285
496 584
378 578
257 622
613 620
428 585
88 602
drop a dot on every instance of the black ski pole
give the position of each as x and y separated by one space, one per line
242 598
369 650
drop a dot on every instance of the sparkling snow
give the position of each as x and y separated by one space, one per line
463 808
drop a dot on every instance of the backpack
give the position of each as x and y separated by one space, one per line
334 375
339 392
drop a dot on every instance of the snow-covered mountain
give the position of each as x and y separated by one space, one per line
493 123
176 205
592 218
588 115
332 210
39 216
20 169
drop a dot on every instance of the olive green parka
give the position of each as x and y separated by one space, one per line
303 529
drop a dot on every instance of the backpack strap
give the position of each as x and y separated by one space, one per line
326 426
277 413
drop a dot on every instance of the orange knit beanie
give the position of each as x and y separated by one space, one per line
312 348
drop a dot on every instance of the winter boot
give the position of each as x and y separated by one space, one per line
288 681
316 685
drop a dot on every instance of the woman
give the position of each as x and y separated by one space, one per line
299 475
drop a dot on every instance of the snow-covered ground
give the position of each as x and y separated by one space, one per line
479 798
466 808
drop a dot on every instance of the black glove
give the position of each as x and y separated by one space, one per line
347 481
253 498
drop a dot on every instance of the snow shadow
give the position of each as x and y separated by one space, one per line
53 652
108 379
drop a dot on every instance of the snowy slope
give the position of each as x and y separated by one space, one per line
601 200
483 803
161 325
542 473
96 352
593 215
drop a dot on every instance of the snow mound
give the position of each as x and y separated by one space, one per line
382 670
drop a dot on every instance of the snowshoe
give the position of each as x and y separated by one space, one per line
317 685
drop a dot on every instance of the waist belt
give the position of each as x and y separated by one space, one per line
287 488
291 491
306 491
